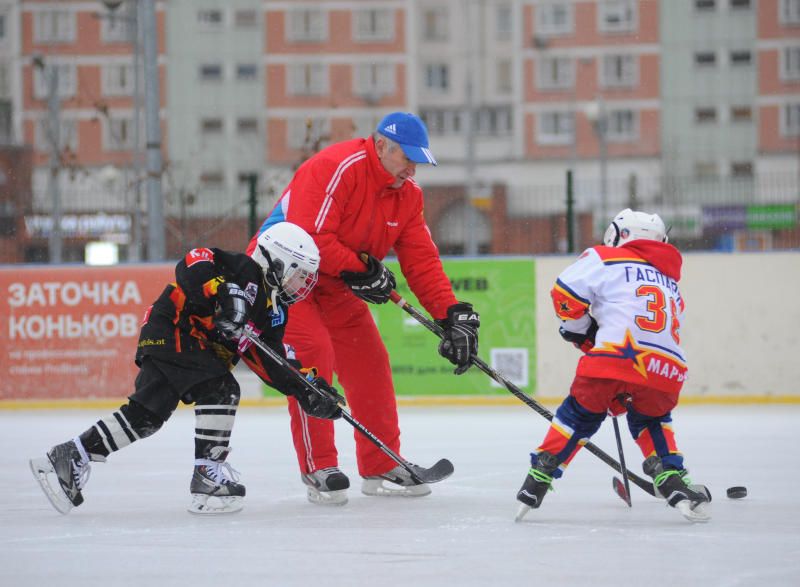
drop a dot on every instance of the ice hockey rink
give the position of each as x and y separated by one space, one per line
133 529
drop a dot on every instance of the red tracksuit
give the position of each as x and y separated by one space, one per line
342 197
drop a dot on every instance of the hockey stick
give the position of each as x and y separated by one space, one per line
521 395
441 470
623 489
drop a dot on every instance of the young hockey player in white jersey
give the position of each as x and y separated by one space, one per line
620 304
191 338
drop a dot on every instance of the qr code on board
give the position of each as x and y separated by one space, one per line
511 363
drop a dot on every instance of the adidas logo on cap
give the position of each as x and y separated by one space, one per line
392 128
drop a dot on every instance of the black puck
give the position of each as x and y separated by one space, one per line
737 492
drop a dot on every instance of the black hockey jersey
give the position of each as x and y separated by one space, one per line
179 327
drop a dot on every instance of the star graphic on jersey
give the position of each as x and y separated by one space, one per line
565 307
627 349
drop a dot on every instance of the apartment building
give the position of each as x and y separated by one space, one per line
666 104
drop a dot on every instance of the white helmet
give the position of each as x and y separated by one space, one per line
290 260
630 225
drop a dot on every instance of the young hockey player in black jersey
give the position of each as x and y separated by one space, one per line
191 338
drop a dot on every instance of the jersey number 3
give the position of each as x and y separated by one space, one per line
657 307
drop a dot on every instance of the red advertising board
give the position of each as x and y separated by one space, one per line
70 332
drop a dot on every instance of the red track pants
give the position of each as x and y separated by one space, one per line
333 330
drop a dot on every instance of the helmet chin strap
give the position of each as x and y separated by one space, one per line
270 276
616 237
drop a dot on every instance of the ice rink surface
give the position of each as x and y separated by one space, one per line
133 529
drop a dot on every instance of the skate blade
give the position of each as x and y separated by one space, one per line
523 509
338 497
376 488
701 512
41 468
212 505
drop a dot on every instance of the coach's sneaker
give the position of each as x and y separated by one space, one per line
214 487
692 501
538 482
326 486
394 483
70 465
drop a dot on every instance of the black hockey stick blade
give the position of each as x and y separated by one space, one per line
440 471
619 489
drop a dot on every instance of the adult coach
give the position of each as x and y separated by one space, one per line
358 201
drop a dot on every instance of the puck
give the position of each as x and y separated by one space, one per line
737 492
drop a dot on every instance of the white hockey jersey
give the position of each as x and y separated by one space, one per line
632 292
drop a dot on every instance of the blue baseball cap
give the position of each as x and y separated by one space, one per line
410 133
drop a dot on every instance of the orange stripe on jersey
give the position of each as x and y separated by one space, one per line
210 286
567 304
611 255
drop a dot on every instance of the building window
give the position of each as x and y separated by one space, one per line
212 180
437 77
374 80
705 5
52 26
504 80
67 81
705 169
245 18
742 169
210 72
790 12
119 134
247 126
116 29
503 22
211 126
740 4
555 73
705 115
741 57
790 120
307 26
622 126
309 79
210 20
617 16
741 113
373 25
554 18
705 59
67 138
435 23
555 128
790 64
442 122
246 71
118 79
307 132
492 121
619 71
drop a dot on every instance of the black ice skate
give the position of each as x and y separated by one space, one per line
394 483
692 501
214 487
70 465
327 486
538 482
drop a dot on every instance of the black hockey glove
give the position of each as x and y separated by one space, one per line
583 342
460 337
325 405
232 313
373 285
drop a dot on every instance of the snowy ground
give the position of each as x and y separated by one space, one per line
134 529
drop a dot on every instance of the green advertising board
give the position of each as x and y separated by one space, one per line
771 216
503 293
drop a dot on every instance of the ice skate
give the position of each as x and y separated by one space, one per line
692 501
537 483
214 488
327 486
69 464
394 483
